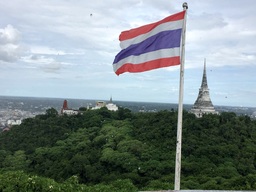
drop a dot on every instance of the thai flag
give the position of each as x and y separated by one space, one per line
150 46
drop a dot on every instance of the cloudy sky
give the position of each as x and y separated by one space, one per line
65 49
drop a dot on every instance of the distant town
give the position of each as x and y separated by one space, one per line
14 109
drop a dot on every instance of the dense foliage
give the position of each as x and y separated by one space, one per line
101 150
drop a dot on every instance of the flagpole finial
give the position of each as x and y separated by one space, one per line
185 5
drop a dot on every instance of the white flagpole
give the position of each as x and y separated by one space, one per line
180 109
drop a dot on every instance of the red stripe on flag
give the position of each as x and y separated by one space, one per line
146 28
154 64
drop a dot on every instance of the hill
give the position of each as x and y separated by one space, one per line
118 150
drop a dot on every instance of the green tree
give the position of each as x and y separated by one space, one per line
17 161
51 112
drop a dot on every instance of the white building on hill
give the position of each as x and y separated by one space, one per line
110 105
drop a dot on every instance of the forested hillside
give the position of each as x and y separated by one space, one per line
101 150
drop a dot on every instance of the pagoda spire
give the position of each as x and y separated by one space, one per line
203 103
204 80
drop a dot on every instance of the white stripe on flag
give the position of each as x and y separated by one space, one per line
162 53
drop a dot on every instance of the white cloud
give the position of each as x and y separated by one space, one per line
52 67
9 35
46 50
47 64
225 42
206 21
10 44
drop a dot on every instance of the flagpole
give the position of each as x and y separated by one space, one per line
180 108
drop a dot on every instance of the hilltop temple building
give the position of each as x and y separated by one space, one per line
203 104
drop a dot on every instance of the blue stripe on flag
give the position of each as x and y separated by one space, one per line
162 40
